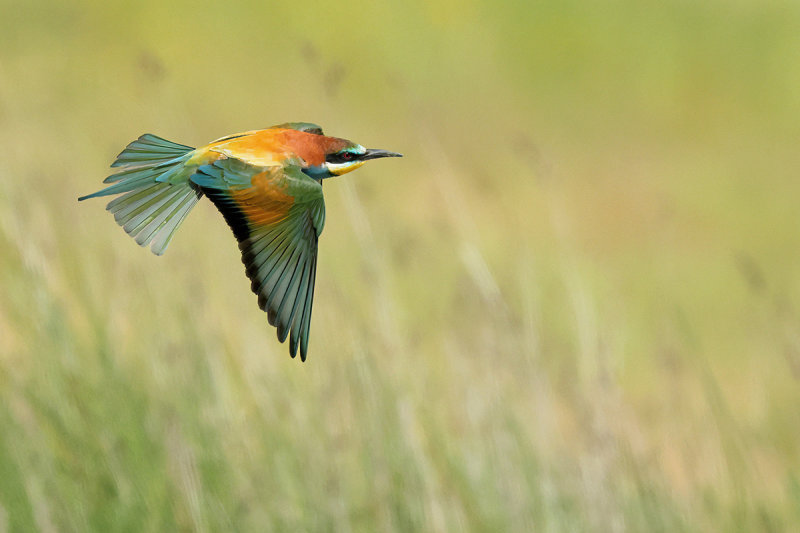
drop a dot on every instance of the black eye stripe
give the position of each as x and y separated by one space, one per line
341 157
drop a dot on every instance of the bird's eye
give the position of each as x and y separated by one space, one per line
346 156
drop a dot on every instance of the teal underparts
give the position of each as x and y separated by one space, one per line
318 173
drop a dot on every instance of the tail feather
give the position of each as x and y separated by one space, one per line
124 205
162 214
162 239
132 173
156 191
149 149
144 214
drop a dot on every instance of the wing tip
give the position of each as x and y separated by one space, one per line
303 352
283 331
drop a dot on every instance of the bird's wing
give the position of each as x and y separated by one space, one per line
277 214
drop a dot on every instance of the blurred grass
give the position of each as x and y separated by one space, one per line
573 306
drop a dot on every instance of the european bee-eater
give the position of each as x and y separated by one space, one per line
268 186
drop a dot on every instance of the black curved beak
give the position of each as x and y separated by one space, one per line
373 153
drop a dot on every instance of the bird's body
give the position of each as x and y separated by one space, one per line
268 186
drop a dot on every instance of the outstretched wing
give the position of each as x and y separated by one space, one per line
277 214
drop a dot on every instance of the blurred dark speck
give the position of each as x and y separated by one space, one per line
310 52
333 78
523 146
751 271
793 358
152 66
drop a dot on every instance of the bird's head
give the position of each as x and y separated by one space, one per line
343 160
329 156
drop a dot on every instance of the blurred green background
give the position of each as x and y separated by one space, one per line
573 306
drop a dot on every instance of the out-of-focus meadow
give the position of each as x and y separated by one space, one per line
573 306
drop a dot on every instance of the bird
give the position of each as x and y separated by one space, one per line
268 186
